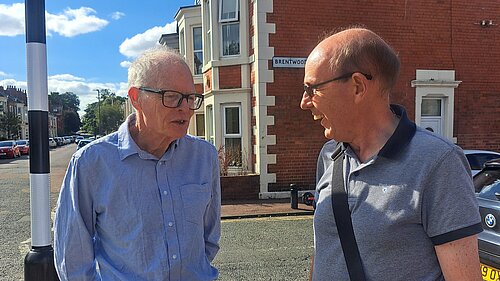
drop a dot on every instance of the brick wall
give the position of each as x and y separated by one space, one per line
429 34
198 88
207 77
230 77
239 187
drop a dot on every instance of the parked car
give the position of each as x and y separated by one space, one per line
59 141
477 158
487 185
9 149
52 142
24 146
82 143
78 138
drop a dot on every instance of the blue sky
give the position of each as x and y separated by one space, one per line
89 43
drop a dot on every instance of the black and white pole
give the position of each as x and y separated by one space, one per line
39 262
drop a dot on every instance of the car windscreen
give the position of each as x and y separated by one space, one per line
485 179
6 143
491 191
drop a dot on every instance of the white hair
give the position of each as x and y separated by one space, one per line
145 70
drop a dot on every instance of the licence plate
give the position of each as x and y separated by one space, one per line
3 153
489 273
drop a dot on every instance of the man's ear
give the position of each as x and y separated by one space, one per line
361 87
133 95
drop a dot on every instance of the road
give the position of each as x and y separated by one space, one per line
251 249
15 219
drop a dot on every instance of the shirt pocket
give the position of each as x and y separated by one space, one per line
195 198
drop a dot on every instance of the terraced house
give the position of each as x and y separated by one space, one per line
247 58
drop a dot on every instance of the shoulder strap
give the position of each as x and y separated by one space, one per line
343 218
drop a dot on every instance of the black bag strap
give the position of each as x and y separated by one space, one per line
343 218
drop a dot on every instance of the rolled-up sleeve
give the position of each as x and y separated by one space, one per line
212 218
74 227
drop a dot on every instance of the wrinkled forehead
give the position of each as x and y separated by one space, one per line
169 75
317 64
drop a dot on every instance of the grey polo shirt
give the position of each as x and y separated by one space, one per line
416 193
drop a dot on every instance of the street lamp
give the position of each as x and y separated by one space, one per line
98 110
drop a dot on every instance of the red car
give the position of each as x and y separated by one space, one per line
9 149
24 146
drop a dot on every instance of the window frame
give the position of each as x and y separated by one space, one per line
236 14
195 69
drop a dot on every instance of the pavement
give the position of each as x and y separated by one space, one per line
235 209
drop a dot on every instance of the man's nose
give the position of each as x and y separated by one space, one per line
305 102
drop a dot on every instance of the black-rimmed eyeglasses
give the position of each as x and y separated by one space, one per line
309 89
173 99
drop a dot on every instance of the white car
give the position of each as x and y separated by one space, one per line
477 158
52 142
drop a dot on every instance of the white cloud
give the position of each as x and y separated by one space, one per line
125 64
117 15
69 23
69 83
134 46
11 19
4 74
74 22
67 77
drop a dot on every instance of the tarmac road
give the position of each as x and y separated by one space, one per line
273 249
251 249
15 217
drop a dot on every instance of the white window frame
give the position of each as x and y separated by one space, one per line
198 50
236 14
225 135
209 124
182 45
196 125
229 21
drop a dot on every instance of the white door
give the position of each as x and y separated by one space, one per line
432 115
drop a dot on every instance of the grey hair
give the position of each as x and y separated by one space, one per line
145 70
370 55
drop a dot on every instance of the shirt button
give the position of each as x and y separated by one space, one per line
174 257
165 192
170 224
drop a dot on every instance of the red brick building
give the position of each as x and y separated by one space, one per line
247 58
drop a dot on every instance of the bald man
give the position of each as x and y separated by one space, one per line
410 194
143 203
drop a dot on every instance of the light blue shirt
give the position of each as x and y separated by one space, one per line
123 214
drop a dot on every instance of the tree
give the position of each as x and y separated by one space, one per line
71 122
11 123
66 107
111 114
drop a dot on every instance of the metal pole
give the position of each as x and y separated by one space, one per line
39 262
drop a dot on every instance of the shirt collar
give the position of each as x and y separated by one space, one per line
127 145
402 135
400 138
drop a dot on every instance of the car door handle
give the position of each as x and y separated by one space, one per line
497 195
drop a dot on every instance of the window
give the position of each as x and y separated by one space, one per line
200 125
431 107
182 45
230 27
207 21
230 39
198 50
210 124
228 10
232 134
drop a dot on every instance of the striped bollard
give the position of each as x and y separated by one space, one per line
39 262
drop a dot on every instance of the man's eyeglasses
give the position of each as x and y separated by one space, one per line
309 89
173 99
